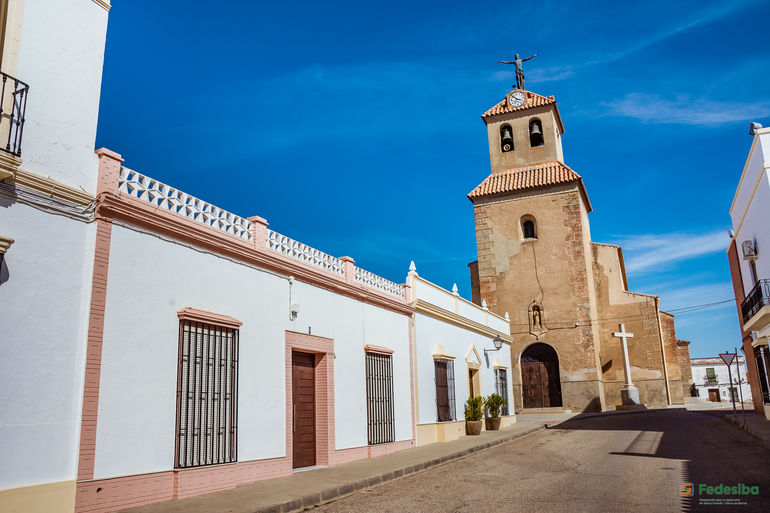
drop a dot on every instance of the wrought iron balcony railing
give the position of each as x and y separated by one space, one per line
710 381
755 300
13 104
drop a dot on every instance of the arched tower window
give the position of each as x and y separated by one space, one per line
506 138
528 228
536 133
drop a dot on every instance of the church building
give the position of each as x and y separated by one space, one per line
566 295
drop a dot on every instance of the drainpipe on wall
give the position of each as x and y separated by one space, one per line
663 351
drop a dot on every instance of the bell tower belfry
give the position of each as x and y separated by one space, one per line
524 129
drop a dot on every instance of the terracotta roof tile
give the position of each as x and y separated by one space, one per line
533 100
529 177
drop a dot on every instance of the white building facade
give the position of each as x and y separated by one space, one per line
51 62
750 263
711 380
455 359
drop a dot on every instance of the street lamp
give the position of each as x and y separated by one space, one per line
498 342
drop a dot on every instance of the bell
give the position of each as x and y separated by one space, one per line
507 140
535 135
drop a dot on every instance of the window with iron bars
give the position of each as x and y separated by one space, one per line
445 390
379 397
207 395
501 387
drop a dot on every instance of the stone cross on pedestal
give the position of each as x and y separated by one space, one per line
629 393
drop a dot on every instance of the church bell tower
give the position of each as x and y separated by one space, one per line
534 255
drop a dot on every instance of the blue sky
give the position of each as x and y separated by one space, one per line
355 128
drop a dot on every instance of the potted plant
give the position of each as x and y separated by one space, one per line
492 405
473 415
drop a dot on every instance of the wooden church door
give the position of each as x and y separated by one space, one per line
535 385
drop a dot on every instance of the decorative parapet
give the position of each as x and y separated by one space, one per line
253 230
378 282
168 198
304 253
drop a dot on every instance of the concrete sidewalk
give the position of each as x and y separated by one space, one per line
756 425
314 487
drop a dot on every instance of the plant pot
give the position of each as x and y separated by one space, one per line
492 423
472 427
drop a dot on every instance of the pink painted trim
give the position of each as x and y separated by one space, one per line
259 232
139 213
412 376
343 456
192 314
139 490
323 348
109 171
377 349
90 407
107 495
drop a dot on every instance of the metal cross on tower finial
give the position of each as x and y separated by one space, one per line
518 61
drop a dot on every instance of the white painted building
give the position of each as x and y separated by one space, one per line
749 257
712 382
51 59
455 359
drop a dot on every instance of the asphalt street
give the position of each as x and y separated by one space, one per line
612 463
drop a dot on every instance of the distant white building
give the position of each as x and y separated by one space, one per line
711 380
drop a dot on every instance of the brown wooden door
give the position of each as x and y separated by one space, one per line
714 395
534 377
303 409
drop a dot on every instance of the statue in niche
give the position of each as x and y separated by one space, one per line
537 320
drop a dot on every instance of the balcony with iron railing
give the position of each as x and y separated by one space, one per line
756 307
13 105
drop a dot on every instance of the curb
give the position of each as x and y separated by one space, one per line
334 493
747 429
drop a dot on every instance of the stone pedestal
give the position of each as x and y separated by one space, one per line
629 397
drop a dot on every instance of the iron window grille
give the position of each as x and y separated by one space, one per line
379 398
501 386
13 105
207 395
445 390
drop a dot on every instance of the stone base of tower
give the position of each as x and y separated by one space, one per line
578 396
652 392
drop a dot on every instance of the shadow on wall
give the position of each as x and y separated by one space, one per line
4 274
710 451
594 406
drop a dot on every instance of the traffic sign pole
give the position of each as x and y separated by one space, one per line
740 386
728 359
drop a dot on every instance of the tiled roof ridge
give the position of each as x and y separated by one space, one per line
534 176
536 167
533 100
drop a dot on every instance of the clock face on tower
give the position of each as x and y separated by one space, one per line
517 99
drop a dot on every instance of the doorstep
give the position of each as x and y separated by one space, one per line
314 487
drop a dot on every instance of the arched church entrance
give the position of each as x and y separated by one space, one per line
541 386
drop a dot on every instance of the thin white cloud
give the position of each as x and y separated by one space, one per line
648 252
685 110
675 298
705 16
